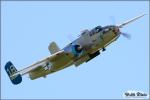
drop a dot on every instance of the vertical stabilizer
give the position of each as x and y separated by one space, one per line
10 69
53 48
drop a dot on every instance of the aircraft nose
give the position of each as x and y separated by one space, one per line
116 30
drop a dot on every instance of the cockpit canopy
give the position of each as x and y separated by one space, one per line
97 29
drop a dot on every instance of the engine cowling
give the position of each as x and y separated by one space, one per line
77 50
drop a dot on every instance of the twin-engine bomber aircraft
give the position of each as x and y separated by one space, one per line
81 50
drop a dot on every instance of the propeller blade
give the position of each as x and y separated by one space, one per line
113 20
127 22
128 36
71 37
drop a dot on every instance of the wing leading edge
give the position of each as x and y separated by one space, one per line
39 63
15 75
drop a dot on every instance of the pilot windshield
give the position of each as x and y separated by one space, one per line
98 29
95 30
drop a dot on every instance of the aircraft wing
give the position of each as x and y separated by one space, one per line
40 63
16 76
129 21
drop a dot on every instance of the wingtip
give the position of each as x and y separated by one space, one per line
133 19
143 14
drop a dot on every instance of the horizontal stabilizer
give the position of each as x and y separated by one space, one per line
10 69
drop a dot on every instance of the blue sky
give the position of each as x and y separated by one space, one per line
29 27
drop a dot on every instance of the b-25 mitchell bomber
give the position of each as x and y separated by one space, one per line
87 46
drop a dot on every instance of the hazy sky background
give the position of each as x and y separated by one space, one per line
29 27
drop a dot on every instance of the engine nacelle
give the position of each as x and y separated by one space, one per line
77 50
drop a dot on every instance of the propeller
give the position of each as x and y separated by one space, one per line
113 20
128 36
71 37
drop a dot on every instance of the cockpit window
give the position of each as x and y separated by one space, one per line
98 29
107 28
95 30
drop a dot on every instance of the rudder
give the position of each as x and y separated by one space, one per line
10 69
